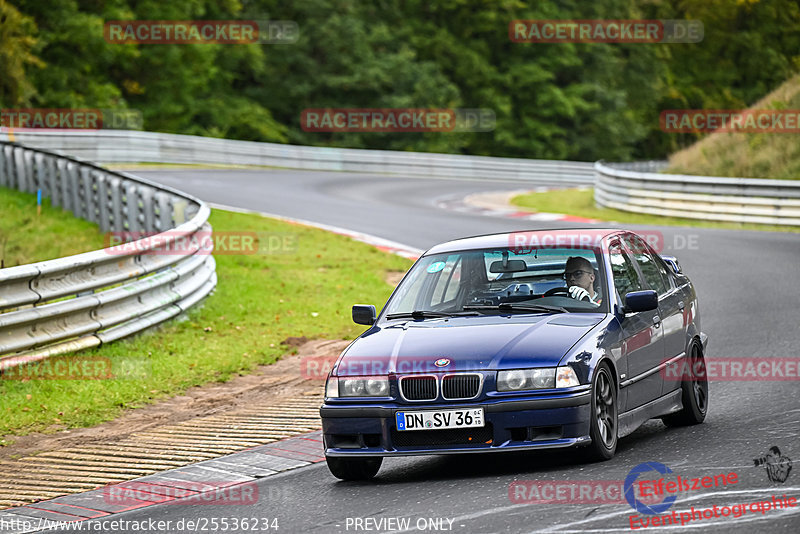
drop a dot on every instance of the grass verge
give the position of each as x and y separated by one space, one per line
260 301
26 237
580 203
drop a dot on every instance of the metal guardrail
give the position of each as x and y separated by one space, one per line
65 304
120 146
637 187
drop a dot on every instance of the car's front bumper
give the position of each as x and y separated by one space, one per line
530 423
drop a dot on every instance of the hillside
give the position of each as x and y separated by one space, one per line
753 155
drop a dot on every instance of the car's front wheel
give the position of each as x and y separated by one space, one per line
603 423
354 468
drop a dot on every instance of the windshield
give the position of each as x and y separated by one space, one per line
505 280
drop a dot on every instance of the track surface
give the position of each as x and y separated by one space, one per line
749 295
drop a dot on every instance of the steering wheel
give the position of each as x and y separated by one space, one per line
556 290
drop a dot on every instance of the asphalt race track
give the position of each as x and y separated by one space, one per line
749 293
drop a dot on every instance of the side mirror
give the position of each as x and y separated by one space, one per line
364 314
639 301
672 261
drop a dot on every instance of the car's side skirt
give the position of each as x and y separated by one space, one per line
633 419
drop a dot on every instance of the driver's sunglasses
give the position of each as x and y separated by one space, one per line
567 276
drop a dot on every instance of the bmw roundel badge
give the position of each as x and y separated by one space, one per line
442 362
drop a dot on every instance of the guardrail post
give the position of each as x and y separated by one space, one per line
147 215
103 201
91 195
62 173
73 188
39 177
3 166
19 170
117 221
178 211
28 172
130 207
49 166
84 195
163 211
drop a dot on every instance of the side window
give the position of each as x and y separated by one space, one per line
626 279
654 272
449 282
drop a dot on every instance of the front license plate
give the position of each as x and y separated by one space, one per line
436 420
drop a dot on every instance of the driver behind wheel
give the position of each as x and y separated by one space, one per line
580 277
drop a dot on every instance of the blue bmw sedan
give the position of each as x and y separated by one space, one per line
524 340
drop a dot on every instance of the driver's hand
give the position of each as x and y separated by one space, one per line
578 293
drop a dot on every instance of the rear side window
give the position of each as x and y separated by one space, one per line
626 279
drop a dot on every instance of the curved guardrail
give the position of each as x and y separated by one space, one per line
120 146
80 301
637 187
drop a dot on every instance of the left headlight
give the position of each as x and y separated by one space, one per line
367 386
545 378
519 379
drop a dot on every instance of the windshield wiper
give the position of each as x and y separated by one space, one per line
507 306
426 314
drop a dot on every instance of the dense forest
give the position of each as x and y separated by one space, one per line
558 100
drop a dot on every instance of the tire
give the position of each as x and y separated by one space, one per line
354 468
603 423
694 393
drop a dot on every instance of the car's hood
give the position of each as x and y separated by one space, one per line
469 343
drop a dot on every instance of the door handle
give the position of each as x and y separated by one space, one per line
681 305
656 321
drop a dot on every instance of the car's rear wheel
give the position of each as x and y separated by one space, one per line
694 392
603 422
354 468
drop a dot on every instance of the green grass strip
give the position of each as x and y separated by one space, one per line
580 203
